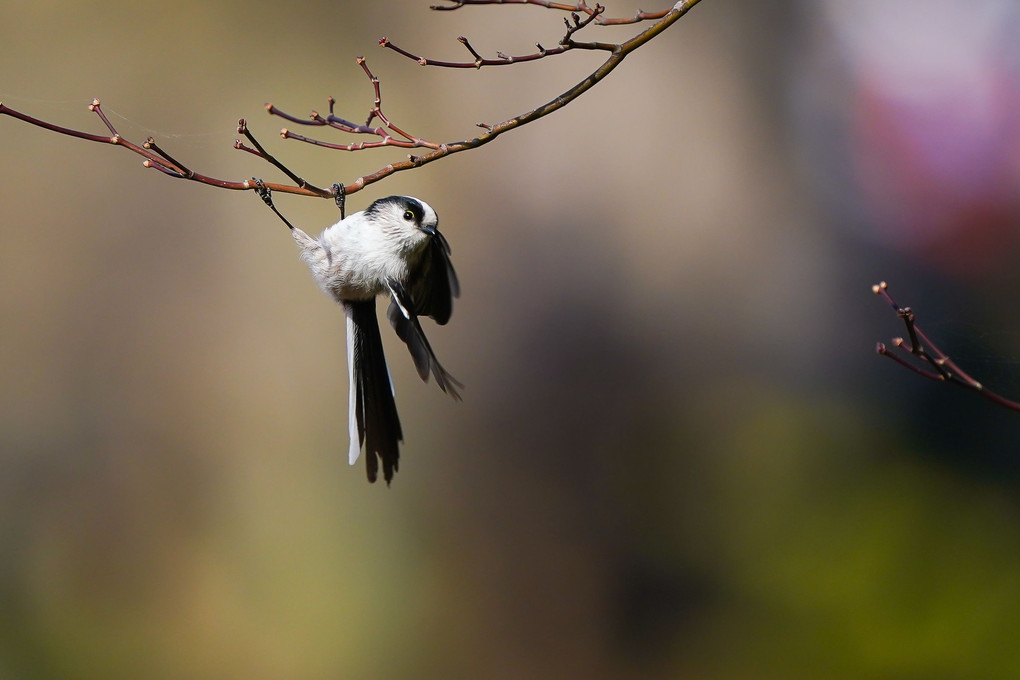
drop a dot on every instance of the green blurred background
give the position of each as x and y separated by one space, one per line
677 455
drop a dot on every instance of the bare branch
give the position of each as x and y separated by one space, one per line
617 56
479 62
386 133
154 157
577 7
242 128
150 143
566 43
925 352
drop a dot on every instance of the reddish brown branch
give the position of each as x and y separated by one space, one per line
242 129
500 60
619 53
384 132
577 7
150 143
926 353
388 134
154 156
574 24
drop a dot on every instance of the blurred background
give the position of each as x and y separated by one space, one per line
678 454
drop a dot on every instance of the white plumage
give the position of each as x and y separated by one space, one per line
391 248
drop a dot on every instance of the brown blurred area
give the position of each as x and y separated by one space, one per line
677 455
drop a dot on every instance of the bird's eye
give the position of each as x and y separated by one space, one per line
408 215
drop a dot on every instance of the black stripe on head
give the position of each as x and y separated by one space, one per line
397 204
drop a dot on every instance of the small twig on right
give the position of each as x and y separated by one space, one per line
925 352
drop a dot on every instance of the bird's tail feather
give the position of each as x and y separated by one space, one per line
373 419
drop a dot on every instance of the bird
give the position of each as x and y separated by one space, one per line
392 248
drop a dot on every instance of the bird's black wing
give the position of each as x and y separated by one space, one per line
403 316
434 285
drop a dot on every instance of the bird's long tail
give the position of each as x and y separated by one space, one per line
373 419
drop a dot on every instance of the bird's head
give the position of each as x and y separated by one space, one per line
408 221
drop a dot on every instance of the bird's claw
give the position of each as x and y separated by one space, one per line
263 191
340 196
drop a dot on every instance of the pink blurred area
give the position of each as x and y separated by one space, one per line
934 110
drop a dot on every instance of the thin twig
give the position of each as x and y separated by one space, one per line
480 62
384 132
925 352
242 129
617 56
389 134
638 16
154 158
150 143
566 43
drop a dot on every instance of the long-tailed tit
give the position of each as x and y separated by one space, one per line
391 248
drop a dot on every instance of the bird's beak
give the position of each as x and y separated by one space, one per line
430 230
